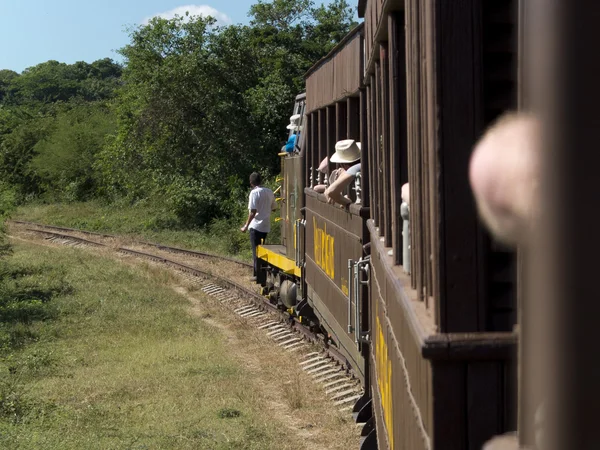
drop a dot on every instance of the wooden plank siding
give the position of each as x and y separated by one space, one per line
313 154
386 173
458 76
366 147
375 14
398 121
338 75
433 74
433 391
436 74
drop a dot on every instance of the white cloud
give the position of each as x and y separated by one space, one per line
194 10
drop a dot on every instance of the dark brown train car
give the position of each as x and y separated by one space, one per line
292 187
443 348
334 235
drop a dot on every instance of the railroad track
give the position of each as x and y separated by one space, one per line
326 366
193 253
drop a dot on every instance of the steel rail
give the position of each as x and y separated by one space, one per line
194 253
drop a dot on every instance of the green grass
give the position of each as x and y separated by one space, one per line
149 221
115 360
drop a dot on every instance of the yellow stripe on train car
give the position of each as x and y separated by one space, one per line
281 262
324 249
384 379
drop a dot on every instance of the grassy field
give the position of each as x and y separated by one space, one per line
147 221
106 355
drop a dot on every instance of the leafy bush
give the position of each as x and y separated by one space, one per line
64 160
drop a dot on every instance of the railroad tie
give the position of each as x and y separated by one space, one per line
310 355
318 363
348 400
344 394
216 292
295 346
267 325
336 381
258 316
243 309
321 369
249 312
284 336
277 331
271 328
212 290
289 341
339 386
312 360
257 313
331 373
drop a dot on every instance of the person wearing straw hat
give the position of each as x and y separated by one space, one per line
295 137
324 169
347 155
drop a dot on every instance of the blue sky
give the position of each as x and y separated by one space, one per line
35 31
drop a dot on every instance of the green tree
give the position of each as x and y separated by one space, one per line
64 158
6 77
53 81
202 106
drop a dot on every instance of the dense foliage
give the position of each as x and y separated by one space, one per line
193 110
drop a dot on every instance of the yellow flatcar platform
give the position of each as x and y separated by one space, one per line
276 256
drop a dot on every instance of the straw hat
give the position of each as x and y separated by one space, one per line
294 122
346 151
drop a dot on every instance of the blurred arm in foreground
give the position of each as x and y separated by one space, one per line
504 176
504 173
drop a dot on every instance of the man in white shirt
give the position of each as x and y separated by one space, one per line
260 204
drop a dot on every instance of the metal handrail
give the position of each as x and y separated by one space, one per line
350 293
361 266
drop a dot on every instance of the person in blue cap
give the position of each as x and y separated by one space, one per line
294 125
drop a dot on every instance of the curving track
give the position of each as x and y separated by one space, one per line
316 357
